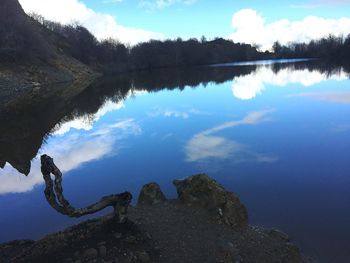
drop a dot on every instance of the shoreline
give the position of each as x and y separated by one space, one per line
204 224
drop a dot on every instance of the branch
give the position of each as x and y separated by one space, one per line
54 195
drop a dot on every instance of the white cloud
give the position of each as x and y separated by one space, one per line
251 27
69 153
204 145
159 4
249 86
100 24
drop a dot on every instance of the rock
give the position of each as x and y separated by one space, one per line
130 239
76 254
203 191
117 235
103 251
274 233
144 257
90 253
234 213
102 243
291 250
148 236
151 194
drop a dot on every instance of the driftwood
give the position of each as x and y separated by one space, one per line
54 195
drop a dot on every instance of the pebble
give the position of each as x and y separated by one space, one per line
103 251
102 243
130 239
144 257
148 235
76 254
91 253
118 235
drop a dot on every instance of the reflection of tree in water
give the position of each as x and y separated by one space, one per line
24 128
54 195
312 65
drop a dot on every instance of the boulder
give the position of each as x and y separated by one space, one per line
202 191
151 194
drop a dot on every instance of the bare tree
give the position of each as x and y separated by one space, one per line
54 195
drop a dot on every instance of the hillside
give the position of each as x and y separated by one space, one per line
30 56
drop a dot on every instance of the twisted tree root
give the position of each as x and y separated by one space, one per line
119 202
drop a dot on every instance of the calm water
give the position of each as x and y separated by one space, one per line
276 134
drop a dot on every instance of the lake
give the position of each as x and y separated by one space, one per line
277 134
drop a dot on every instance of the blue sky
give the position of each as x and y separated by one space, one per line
139 20
211 18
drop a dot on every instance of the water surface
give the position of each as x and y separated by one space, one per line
276 134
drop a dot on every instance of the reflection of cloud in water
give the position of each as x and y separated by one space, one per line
86 122
69 153
204 145
345 127
185 114
342 97
249 86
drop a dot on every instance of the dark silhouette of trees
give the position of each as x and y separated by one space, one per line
111 55
32 38
19 39
331 48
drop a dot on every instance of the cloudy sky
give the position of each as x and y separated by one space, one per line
258 22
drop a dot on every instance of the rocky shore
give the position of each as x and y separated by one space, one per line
204 224
27 82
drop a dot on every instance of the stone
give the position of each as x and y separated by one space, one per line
76 254
151 194
103 251
274 233
90 253
291 250
148 236
202 191
130 239
117 235
144 257
234 212
102 243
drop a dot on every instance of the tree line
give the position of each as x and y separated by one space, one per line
34 38
331 48
112 55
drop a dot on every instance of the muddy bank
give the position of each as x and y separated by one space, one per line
26 81
205 224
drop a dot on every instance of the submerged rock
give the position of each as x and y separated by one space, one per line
203 191
151 194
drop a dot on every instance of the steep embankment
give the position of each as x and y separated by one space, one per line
30 57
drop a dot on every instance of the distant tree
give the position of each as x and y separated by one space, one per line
277 47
